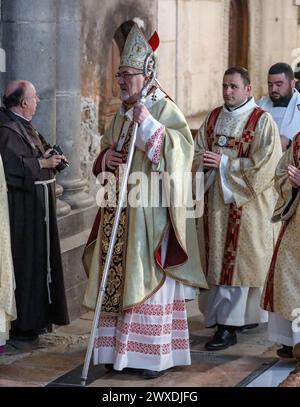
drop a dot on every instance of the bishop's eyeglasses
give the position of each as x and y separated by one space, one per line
126 75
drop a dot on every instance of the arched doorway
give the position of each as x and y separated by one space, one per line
111 101
238 33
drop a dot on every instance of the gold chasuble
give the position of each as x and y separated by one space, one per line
282 289
239 237
7 280
138 269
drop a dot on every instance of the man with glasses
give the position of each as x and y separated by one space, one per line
156 264
40 295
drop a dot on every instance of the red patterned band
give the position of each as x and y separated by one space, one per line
269 293
243 148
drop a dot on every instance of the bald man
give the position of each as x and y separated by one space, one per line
29 172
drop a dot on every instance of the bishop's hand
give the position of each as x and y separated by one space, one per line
113 158
140 113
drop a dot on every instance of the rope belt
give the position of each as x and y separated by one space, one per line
47 221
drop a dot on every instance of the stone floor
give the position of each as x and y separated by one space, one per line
57 362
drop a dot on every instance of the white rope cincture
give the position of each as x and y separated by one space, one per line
47 221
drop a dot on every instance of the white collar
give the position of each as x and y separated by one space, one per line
267 101
230 109
242 109
18 114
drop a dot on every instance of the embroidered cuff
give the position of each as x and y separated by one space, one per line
150 137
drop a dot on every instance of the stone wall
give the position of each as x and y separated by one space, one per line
191 55
99 25
192 58
194 49
279 35
42 41
89 142
194 45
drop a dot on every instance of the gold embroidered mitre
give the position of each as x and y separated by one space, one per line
136 49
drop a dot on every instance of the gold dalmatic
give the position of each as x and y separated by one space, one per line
113 292
243 147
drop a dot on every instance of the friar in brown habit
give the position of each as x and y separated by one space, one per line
40 293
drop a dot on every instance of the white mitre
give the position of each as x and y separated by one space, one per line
136 49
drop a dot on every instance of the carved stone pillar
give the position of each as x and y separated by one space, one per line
62 208
29 38
29 59
68 101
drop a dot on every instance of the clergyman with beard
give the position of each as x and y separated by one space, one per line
283 102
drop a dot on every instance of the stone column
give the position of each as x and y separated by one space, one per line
29 38
68 115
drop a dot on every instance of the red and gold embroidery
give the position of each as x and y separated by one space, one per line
113 291
269 293
210 131
233 230
235 214
243 147
210 127
296 150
